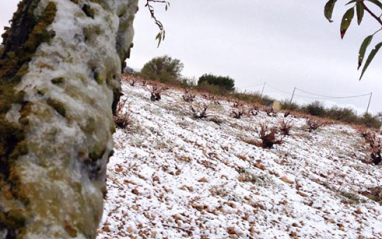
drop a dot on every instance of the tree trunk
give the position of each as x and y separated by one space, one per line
59 80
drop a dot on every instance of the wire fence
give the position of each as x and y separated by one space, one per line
297 92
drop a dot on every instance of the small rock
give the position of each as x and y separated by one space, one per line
293 235
358 211
302 194
285 179
331 220
259 166
202 180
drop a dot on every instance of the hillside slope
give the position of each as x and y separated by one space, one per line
174 176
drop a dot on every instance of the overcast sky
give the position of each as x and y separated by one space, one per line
286 43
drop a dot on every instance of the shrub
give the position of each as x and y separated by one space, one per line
287 105
316 108
122 119
253 111
375 144
248 97
269 136
267 101
342 114
199 111
213 89
270 112
187 83
237 113
313 124
156 91
131 80
224 82
286 114
188 96
370 121
164 69
285 127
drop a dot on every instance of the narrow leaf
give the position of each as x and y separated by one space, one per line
370 58
346 20
360 12
352 1
376 2
159 35
363 49
159 41
329 7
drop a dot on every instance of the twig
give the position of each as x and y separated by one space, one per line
372 13
162 33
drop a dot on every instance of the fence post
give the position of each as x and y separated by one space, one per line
291 99
262 92
368 105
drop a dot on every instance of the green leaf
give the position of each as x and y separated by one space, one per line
360 12
376 2
352 1
346 20
370 58
159 38
329 7
159 35
363 49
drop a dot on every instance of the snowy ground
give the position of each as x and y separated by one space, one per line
173 176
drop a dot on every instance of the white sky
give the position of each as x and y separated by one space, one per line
286 43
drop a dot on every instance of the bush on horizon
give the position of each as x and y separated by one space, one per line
224 82
164 69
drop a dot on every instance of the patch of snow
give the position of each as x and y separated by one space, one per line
173 176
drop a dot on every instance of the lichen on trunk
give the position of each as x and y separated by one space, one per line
59 80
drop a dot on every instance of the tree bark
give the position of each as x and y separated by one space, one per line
59 81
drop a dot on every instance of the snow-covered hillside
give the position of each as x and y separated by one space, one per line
174 176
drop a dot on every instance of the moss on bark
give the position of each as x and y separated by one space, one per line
20 43
58 78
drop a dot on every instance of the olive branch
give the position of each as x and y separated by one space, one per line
359 7
162 33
